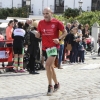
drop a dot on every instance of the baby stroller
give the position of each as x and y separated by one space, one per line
38 64
90 44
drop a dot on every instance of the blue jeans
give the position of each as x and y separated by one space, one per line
60 53
81 56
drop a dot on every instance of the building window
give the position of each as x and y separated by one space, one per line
95 5
23 2
59 6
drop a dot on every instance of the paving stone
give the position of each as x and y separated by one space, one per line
75 84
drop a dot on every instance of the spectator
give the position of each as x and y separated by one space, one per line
33 49
74 24
9 31
74 51
81 50
68 27
18 42
60 54
15 24
86 31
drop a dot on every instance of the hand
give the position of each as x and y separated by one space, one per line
26 46
87 32
37 35
56 41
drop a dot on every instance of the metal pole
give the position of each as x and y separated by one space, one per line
42 5
74 5
12 3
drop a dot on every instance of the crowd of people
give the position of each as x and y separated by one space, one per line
59 42
75 42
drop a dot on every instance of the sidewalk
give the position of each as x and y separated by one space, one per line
77 83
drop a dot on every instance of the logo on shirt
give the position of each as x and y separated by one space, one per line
44 30
53 26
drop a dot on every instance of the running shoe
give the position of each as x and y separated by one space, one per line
56 87
50 90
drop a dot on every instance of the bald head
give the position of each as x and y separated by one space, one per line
47 9
47 13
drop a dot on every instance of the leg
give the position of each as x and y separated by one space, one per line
80 56
16 61
21 61
49 68
71 56
21 53
32 65
54 75
83 56
51 75
60 55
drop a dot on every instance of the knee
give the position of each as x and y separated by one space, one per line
48 66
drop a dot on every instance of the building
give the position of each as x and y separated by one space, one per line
57 6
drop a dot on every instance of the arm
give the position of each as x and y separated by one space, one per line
64 33
37 34
8 34
63 30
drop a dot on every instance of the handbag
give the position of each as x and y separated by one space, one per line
69 47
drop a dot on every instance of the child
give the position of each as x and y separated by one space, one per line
81 49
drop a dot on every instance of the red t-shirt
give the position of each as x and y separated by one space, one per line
49 31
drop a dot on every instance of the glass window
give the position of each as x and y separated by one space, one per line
95 4
57 2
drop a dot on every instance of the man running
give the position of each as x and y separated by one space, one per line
48 30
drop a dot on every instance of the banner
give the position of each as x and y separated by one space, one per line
6 54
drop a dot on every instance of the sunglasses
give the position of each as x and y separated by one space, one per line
45 13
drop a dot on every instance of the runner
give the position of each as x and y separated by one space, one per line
48 29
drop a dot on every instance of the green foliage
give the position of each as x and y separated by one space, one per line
71 12
84 18
87 17
15 12
59 17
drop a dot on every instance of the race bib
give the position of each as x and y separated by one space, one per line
51 51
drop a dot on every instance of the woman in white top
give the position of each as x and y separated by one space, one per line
18 41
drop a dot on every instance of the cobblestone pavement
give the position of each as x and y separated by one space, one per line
75 84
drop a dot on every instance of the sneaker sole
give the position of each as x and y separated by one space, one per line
49 94
56 90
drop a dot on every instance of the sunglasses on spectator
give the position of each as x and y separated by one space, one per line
45 13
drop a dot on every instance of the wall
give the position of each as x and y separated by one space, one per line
6 4
11 3
17 3
74 4
38 7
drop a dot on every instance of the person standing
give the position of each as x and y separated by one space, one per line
15 24
60 53
33 49
48 30
18 43
9 31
